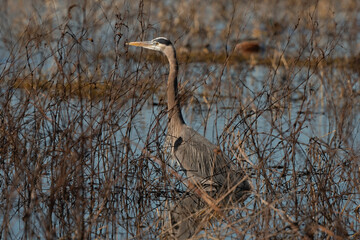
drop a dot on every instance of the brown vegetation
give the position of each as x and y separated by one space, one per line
83 120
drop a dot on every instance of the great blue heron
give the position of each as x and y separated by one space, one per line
202 161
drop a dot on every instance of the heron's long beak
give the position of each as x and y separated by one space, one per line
146 44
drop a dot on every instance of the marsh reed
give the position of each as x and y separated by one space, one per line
83 121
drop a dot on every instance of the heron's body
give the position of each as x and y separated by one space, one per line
205 164
202 161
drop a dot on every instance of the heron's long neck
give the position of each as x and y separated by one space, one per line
174 110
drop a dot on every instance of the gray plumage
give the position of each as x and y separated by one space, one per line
203 162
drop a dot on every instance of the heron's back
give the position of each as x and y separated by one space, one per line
205 164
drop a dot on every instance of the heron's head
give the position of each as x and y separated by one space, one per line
160 44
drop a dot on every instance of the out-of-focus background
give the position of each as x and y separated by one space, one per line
83 116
